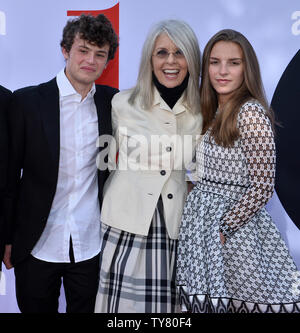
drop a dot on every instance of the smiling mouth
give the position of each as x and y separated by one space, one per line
171 71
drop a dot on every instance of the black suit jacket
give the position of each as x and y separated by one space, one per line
5 97
34 125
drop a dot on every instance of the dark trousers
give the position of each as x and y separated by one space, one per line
38 285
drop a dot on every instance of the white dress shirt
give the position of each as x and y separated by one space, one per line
75 209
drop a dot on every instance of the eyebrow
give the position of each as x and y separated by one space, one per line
87 48
165 48
228 59
102 51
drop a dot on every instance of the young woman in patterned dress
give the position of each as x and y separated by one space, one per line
231 257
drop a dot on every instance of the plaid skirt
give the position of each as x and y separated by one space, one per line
137 273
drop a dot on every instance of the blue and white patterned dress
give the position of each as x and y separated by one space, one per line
253 271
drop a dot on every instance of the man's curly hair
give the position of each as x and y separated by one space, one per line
95 30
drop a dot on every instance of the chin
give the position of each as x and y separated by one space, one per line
89 79
171 84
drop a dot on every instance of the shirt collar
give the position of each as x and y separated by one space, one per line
178 107
65 87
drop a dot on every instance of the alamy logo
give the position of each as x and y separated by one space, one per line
2 23
146 153
296 24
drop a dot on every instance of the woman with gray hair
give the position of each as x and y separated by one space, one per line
155 128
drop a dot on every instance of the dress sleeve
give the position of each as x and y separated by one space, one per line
257 143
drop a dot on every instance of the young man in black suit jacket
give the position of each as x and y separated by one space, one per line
54 189
5 97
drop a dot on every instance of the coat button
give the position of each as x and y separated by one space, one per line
168 149
163 172
170 196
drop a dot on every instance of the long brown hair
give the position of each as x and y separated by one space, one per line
224 125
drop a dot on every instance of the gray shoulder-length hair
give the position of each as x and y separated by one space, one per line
185 39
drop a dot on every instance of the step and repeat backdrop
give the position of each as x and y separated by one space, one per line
31 30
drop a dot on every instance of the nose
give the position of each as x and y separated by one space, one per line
90 58
171 58
223 69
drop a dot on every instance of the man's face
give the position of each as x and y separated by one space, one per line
85 63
